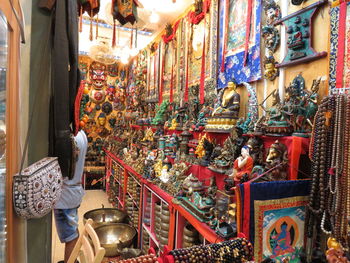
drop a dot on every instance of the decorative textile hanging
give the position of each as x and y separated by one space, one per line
125 11
239 59
187 76
92 7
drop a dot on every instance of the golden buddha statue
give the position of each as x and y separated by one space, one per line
226 110
229 101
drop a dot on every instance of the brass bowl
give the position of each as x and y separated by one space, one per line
165 219
115 237
104 216
164 233
188 239
163 241
164 226
165 212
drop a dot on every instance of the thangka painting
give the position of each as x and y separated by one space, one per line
339 57
233 22
279 228
196 51
153 73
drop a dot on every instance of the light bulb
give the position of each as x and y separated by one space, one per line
154 18
124 58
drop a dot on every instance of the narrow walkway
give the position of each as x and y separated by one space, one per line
92 199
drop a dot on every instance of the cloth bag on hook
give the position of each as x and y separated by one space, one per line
37 188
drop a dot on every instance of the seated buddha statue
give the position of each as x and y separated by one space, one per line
229 101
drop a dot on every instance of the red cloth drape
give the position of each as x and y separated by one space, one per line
168 39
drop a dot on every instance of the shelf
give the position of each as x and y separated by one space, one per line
151 235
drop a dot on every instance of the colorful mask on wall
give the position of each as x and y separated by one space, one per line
101 119
97 96
271 72
107 108
272 11
98 74
271 37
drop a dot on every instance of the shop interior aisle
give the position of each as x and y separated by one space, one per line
92 199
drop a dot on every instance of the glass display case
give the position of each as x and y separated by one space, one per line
3 70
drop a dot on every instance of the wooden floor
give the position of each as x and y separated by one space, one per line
92 199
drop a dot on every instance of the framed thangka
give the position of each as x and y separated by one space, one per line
201 49
279 226
239 41
153 72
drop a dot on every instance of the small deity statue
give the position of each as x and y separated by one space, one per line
208 148
243 165
229 101
200 151
174 124
148 136
164 176
278 119
256 145
277 157
335 252
149 162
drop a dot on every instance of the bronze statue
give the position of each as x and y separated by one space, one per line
277 158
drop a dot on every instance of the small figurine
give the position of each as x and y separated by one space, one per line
272 11
243 165
208 147
271 37
200 151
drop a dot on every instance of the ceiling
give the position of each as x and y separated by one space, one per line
167 10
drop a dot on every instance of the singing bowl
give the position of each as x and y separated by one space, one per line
165 212
190 231
115 237
104 216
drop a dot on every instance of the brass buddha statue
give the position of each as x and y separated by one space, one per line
229 101
226 110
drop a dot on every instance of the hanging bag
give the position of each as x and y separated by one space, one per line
37 188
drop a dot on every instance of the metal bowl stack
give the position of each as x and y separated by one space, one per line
105 216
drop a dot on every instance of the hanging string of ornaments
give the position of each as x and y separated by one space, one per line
329 204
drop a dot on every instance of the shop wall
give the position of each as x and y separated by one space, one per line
311 70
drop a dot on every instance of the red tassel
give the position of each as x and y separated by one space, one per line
114 38
81 20
96 28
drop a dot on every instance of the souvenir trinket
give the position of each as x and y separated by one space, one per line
98 75
107 108
243 165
